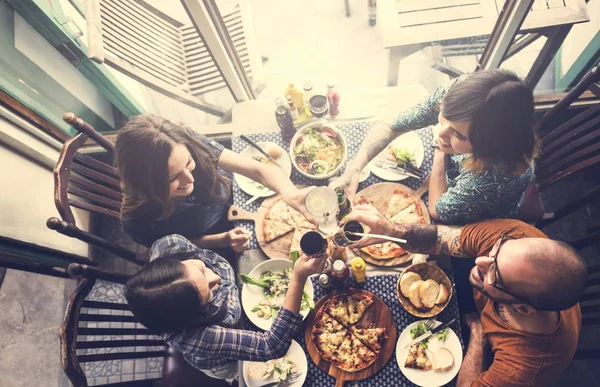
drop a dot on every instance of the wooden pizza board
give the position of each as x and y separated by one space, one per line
280 247
378 314
379 195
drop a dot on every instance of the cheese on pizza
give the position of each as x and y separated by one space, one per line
417 358
337 307
371 337
399 201
279 211
273 229
357 305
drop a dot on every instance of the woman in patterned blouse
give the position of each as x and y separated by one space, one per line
486 143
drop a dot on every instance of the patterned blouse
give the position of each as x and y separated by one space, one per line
471 196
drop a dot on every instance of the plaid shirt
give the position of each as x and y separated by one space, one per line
216 345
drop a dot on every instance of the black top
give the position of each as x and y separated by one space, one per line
191 217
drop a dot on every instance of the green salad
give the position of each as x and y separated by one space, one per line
275 286
420 329
318 151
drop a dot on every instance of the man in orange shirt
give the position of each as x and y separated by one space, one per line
526 288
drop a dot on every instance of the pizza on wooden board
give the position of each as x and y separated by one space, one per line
281 219
402 208
339 339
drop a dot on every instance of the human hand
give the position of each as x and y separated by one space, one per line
349 182
369 216
297 200
306 266
238 239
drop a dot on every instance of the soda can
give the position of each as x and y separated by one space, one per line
342 239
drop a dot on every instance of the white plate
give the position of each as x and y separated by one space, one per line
429 378
296 354
251 187
410 141
252 294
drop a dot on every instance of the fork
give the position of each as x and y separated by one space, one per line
429 324
294 376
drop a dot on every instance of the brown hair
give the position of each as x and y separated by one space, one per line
501 111
143 148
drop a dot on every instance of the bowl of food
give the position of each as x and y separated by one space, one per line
424 290
318 150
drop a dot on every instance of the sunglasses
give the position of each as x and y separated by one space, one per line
494 278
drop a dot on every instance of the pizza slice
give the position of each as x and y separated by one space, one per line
327 343
337 307
362 356
357 306
279 211
410 214
385 250
399 201
343 358
325 323
371 337
299 220
417 358
273 229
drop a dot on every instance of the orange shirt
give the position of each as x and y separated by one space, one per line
520 358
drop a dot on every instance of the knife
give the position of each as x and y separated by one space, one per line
430 333
258 148
395 167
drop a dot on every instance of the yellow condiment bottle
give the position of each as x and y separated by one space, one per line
359 269
296 95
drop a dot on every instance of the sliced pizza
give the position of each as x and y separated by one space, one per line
327 343
362 356
411 214
343 358
357 306
299 220
325 323
337 307
371 337
279 211
417 358
273 229
398 202
385 250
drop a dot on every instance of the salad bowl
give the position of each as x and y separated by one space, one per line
318 150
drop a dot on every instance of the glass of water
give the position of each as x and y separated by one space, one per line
322 203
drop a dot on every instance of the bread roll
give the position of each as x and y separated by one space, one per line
443 360
413 294
407 279
428 293
443 295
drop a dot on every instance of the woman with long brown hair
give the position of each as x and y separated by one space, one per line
177 181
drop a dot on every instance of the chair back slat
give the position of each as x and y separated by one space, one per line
576 152
113 331
62 172
566 172
591 295
595 88
86 128
586 321
547 140
97 176
106 317
111 204
120 356
588 309
94 208
579 126
97 165
119 343
89 272
95 187
104 305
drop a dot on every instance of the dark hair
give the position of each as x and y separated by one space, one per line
501 111
163 300
565 274
143 148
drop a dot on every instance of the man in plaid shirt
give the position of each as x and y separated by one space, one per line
189 296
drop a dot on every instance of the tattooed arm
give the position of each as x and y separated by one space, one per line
378 138
420 238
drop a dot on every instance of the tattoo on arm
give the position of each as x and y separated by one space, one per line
431 239
448 241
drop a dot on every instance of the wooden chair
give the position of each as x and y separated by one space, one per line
569 146
590 311
78 339
83 182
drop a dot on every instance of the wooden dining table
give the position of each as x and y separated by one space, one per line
380 280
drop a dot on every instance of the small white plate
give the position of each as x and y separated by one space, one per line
429 378
410 141
252 294
296 354
250 186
